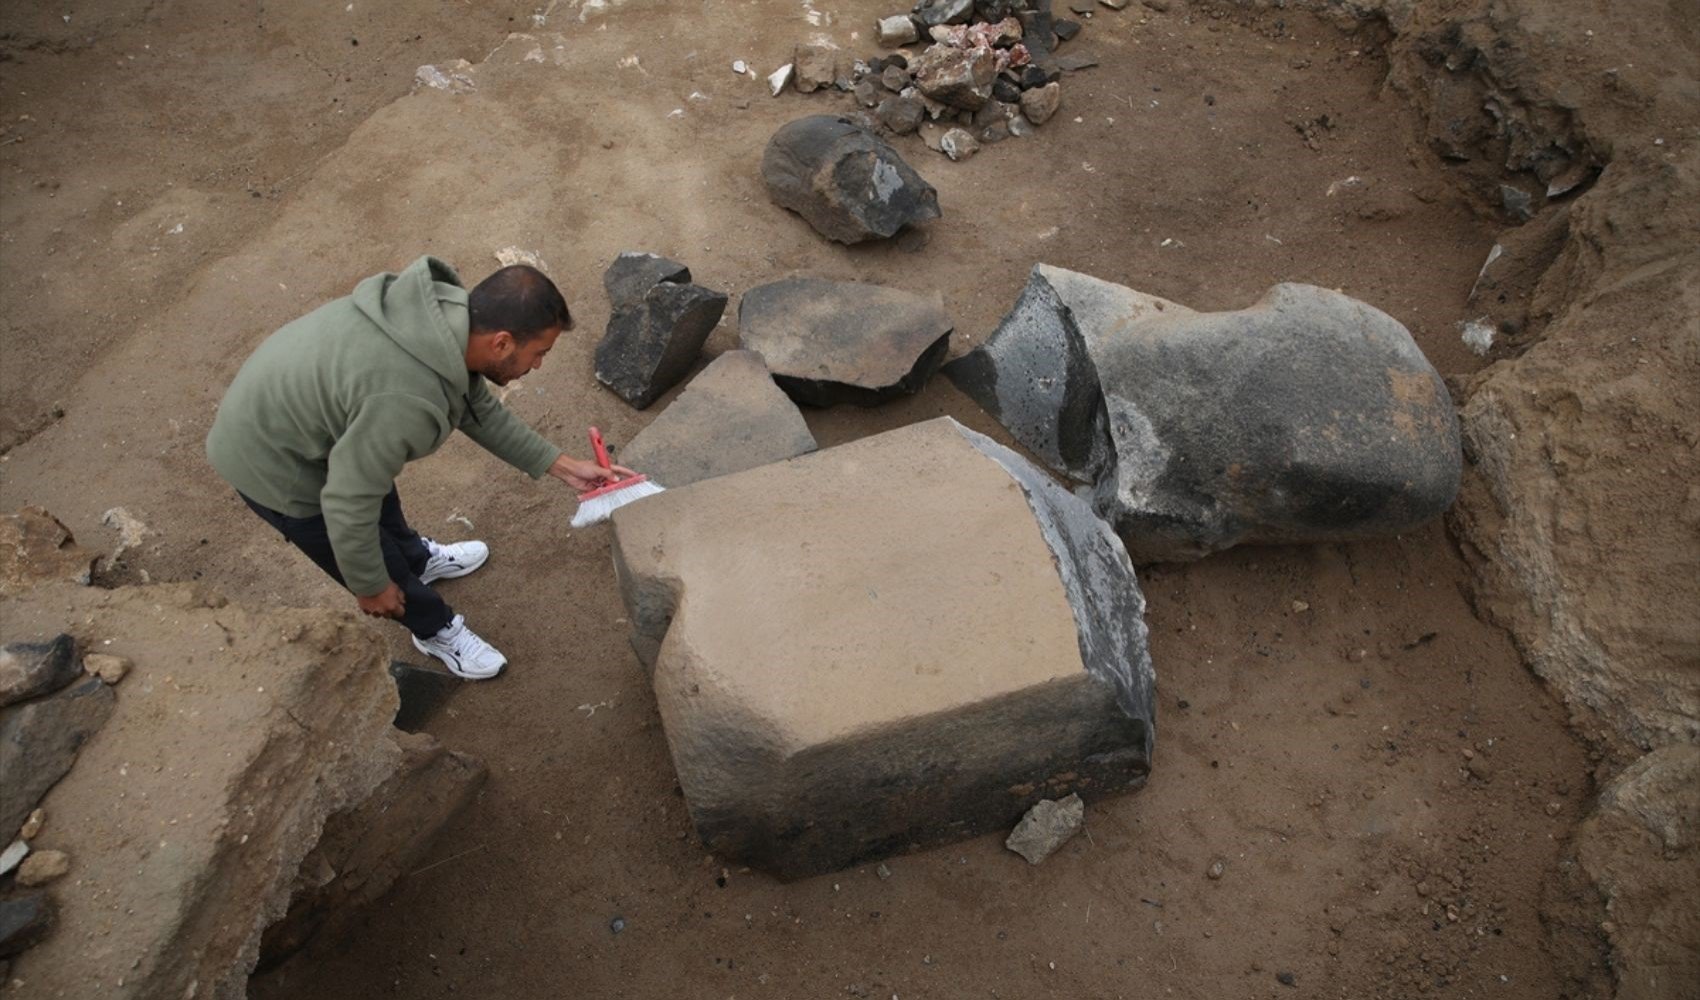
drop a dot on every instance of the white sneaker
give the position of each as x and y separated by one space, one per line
450 561
463 651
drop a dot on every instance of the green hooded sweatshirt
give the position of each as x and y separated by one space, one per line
329 408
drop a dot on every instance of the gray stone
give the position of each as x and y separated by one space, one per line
1308 417
731 417
632 274
901 114
39 741
650 346
878 683
1040 103
24 921
958 78
845 181
816 66
1074 62
1005 90
830 342
897 30
1046 827
1036 376
935 12
1518 203
30 669
1065 29
1114 4
869 92
959 144
895 79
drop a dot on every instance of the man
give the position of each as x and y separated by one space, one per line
324 414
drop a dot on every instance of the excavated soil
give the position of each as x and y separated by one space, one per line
1390 791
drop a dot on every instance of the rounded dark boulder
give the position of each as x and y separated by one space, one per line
848 183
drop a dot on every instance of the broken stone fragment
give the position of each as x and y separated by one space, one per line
1308 417
1074 62
1040 103
653 339
816 66
35 548
876 682
25 920
897 30
731 417
1046 827
43 867
831 342
958 78
1036 372
902 115
14 853
632 274
31 669
32 826
39 741
869 92
959 144
1065 29
107 667
934 12
850 185
779 78
895 79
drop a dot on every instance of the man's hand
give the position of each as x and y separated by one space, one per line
584 476
387 603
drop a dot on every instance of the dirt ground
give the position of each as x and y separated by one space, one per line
1389 789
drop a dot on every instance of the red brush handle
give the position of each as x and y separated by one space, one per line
601 449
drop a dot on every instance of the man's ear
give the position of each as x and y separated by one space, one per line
502 343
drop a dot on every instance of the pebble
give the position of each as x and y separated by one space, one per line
32 826
43 867
1216 870
1286 979
882 871
107 667
617 925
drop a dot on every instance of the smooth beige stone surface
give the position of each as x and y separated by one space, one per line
869 647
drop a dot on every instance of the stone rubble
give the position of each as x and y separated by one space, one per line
971 55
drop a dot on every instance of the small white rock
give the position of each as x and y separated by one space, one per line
777 79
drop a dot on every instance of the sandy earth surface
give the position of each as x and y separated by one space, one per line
1389 789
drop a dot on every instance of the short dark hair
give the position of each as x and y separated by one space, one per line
519 299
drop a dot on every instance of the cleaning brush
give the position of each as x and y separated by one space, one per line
595 506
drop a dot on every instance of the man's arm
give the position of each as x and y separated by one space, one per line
504 435
388 431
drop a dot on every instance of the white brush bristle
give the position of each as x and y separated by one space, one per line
599 509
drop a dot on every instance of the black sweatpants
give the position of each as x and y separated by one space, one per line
405 556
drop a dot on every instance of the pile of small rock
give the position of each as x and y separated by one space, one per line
989 70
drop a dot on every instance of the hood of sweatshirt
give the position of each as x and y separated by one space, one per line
422 309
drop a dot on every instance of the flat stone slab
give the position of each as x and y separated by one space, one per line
1308 417
731 417
838 684
830 342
